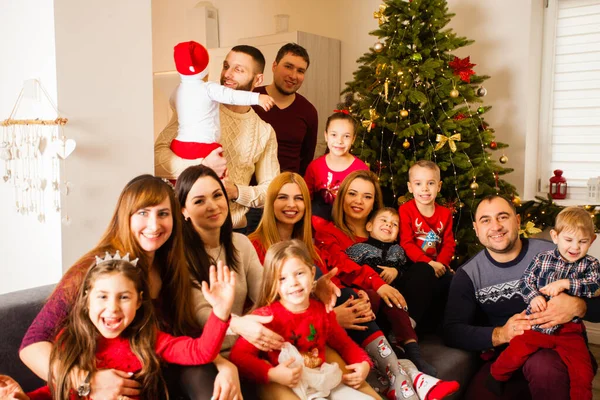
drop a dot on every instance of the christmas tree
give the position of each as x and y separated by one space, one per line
415 101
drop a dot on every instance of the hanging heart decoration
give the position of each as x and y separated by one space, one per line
64 147
5 154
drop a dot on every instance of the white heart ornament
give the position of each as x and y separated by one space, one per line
64 148
5 154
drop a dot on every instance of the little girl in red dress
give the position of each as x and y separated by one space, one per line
113 326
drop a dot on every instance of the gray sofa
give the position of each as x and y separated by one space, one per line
18 309
451 364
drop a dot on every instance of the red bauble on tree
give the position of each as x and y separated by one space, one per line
493 145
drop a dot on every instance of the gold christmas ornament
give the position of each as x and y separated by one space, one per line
454 93
441 139
380 68
373 114
378 47
503 159
406 144
386 87
474 186
403 113
380 14
370 122
516 201
529 229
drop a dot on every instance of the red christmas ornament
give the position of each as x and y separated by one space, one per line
459 117
493 145
462 68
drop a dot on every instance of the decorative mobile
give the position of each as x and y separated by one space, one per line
25 145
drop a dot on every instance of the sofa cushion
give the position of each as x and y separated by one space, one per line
451 364
17 311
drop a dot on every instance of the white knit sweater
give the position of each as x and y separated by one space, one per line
248 281
249 146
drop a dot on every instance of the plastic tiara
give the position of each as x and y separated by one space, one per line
117 256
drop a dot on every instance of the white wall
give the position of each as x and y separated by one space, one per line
104 70
98 59
507 47
30 252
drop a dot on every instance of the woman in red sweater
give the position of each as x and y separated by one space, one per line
359 197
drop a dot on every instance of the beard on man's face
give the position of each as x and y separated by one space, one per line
241 86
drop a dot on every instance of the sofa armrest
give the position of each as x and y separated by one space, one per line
17 311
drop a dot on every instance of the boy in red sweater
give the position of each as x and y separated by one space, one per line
425 226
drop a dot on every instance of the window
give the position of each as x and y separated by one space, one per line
570 95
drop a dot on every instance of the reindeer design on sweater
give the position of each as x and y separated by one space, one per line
311 357
430 239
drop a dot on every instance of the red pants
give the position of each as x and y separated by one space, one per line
395 318
570 345
192 150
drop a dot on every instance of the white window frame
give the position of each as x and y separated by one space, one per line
544 156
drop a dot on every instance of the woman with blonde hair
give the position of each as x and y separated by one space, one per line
287 214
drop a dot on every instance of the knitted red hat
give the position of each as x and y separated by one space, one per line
191 58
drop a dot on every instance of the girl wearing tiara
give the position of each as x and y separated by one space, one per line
324 174
112 325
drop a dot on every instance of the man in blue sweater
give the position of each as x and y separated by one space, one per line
485 309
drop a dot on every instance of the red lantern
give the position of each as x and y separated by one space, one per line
558 185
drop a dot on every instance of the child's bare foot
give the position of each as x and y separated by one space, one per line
10 389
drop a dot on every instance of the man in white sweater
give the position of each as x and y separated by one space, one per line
249 143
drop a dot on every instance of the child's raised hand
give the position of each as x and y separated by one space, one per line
438 267
554 288
538 304
358 375
327 291
221 292
286 375
266 101
388 274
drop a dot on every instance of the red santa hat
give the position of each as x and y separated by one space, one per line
191 58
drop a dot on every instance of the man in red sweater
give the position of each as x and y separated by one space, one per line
293 117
